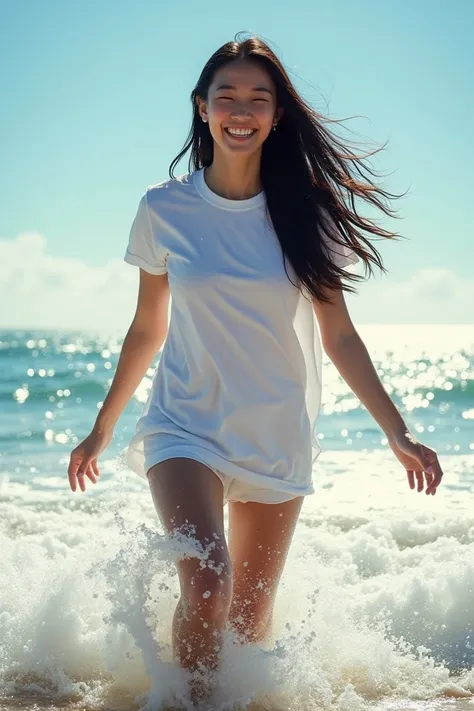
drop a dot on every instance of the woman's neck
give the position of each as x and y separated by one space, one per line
235 179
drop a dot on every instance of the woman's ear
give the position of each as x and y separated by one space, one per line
278 114
202 108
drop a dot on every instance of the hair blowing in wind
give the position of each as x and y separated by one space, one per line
309 176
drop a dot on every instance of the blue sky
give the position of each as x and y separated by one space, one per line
96 105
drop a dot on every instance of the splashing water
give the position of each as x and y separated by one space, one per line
375 606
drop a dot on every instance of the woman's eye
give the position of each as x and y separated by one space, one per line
224 98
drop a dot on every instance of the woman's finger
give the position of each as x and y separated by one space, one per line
411 479
95 467
429 479
90 474
437 472
421 456
82 473
428 460
419 478
74 464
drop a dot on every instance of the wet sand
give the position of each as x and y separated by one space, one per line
34 701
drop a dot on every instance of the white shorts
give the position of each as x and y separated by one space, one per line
234 489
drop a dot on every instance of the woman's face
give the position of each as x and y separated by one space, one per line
241 107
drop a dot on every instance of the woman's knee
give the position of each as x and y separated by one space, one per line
206 590
189 499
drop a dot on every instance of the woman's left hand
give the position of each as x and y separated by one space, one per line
420 462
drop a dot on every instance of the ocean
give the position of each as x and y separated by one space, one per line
376 605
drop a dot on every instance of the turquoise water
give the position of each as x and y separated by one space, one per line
51 385
375 608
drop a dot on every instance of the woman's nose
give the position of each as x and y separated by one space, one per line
240 113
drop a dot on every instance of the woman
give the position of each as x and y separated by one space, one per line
252 246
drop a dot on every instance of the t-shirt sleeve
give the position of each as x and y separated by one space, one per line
340 254
144 249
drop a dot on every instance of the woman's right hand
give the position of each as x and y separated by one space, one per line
83 460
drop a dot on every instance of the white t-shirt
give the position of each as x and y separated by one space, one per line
238 384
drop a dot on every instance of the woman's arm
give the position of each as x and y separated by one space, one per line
347 351
144 339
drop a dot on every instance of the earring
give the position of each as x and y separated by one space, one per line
275 126
204 119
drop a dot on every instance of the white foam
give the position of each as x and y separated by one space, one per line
375 603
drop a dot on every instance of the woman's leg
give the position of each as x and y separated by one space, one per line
188 497
259 540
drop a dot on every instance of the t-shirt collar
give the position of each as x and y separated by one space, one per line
224 203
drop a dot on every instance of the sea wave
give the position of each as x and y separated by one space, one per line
374 609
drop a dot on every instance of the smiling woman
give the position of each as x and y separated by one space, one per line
241 106
253 246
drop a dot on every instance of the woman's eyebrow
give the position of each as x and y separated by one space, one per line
234 88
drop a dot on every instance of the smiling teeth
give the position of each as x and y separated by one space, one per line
241 131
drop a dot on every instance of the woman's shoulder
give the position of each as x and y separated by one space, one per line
170 191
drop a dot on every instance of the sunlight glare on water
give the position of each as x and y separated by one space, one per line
375 608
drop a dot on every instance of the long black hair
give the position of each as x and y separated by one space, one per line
308 175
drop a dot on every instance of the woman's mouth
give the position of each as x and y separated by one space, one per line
240 134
